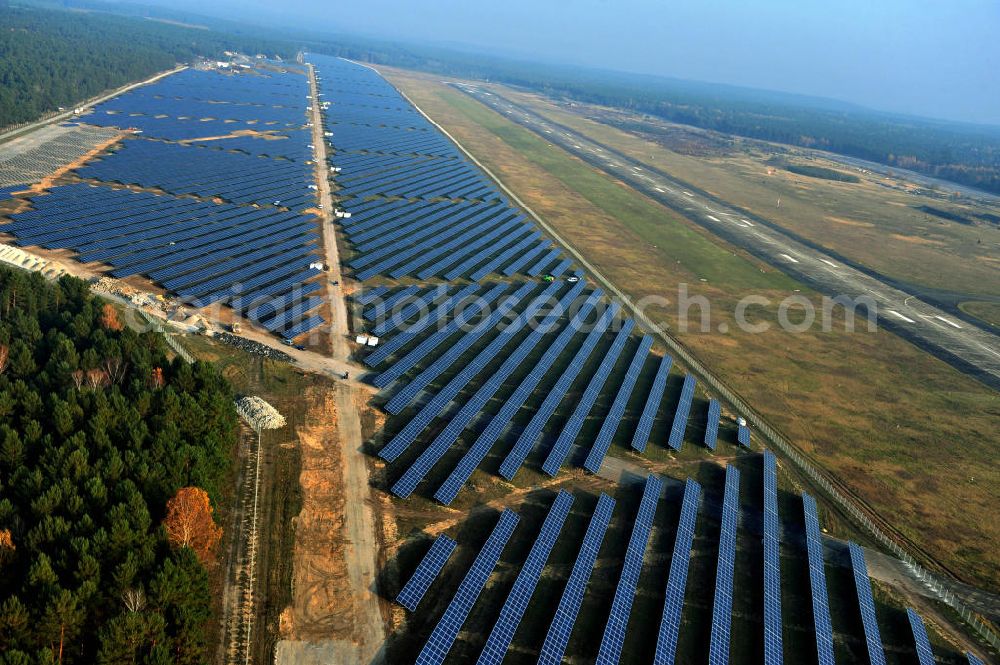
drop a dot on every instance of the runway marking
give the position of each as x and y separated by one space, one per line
786 256
688 194
714 219
898 315
746 221
829 263
950 323
659 190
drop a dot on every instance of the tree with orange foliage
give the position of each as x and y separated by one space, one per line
4 356
7 548
189 523
109 318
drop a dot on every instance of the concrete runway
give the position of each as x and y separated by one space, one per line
962 344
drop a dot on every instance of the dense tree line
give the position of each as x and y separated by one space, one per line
963 153
51 58
98 430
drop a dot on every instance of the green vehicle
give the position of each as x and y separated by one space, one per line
548 278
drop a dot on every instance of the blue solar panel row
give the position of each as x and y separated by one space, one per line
973 659
773 652
526 441
480 449
679 426
421 306
641 435
443 636
449 435
368 296
817 583
560 450
406 436
621 607
743 436
863 587
443 309
384 306
712 423
455 351
524 586
722 605
920 640
611 421
670 624
427 571
561 627
415 355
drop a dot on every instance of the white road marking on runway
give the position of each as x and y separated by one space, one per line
714 219
746 221
829 263
786 256
950 323
898 315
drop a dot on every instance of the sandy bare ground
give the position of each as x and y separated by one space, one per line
336 616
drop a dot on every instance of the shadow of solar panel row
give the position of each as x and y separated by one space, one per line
602 442
513 608
557 637
670 623
560 449
621 606
681 414
645 425
397 317
208 251
866 603
209 173
447 436
529 436
388 348
447 628
712 424
427 571
722 605
467 315
475 455
773 654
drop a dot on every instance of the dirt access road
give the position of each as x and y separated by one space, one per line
367 631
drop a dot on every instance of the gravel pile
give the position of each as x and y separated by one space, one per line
259 414
253 347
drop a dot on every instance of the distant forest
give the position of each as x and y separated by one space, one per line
52 58
98 431
963 153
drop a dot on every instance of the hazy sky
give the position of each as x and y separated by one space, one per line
934 58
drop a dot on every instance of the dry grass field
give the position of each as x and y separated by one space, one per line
909 435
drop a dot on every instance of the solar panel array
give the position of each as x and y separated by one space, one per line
519 452
641 436
773 654
443 636
670 624
712 424
679 425
255 257
524 586
722 605
920 640
817 583
560 450
428 569
561 627
863 587
612 420
437 214
973 659
621 607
